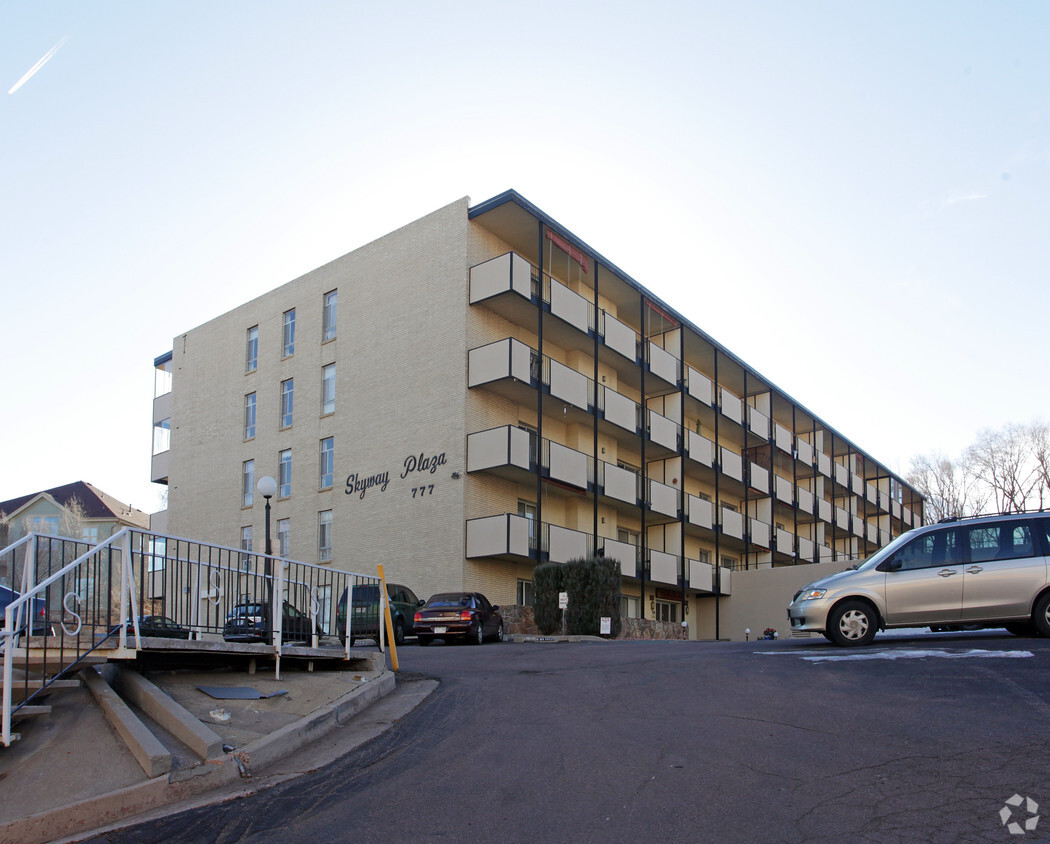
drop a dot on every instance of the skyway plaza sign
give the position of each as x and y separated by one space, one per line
359 483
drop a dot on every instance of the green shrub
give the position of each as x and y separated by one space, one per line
593 585
547 582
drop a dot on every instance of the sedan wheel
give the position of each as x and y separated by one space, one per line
499 633
399 633
479 638
852 623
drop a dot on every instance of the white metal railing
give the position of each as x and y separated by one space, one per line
77 599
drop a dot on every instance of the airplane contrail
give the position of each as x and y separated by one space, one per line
50 54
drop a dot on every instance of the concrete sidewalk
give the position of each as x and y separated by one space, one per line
72 774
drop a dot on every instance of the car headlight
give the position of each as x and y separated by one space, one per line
812 594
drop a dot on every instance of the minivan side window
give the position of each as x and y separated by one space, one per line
937 548
1042 530
999 541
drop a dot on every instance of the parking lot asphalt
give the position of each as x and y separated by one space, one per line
931 737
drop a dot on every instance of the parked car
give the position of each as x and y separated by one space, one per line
250 622
41 626
467 616
159 625
367 617
986 571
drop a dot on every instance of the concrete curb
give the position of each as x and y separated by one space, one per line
123 804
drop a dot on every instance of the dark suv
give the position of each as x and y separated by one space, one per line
367 616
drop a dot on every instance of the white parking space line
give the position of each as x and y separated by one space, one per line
941 653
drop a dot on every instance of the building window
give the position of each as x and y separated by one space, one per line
666 611
89 535
328 389
527 510
246 546
288 336
248 483
249 416
251 355
525 593
324 536
327 461
161 436
728 562
703 556
630 607
284 538
331 300
631 537
284 473
287 396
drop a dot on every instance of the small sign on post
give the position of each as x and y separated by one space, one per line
606 625
563 600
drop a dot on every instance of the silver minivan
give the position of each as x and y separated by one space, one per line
983 571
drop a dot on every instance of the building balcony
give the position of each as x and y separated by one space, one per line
704 577
731 406
663 568
627 555
570 307
664 499
757 423
758 478
758 533
785 490
504 536
619 483
564 544
731 464
504 285
504 451
160 467
700 449
699 386
618 336
732 523
663 364
700 512
566 465
664 432
506 367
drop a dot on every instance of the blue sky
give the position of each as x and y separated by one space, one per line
851 197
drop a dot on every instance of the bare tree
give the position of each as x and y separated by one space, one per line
1039 433
1002 460
950 488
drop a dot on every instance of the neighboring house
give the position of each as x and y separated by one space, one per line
481 391
77 510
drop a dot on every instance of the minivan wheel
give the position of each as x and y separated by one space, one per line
1041 614
852 623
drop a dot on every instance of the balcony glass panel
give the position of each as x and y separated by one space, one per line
621 484
621 410
732 523
663 431
759 478
700 386
785 542
841 474
499 275
784 489
701 576
758 422
625 553
701 512
498 535
857 484
824 464
663 498
759 532
823 510
505 446
732 408
700 449
783 438
805 452
503 359
663 364
568 385
620 337
566 544
568 305
805 548
871 493
663 567
568 465
805 500
732 465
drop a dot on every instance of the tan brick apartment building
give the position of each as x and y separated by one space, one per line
480 391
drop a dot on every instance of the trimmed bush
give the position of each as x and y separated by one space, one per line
547 582
594 591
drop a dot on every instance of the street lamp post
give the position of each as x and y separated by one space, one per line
268 489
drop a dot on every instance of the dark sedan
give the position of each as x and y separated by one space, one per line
467 616
250 622
159 625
